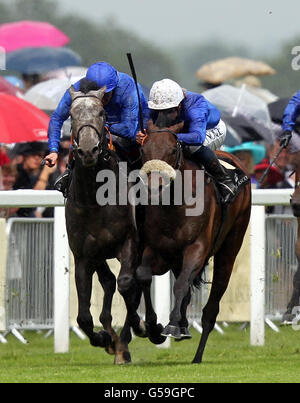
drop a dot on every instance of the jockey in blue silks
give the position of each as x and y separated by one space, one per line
291 112
120 103
203 130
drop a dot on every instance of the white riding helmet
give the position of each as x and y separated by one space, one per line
165 94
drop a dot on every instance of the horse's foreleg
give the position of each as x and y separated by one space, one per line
144 278
193 261
127 287
83 277
108 282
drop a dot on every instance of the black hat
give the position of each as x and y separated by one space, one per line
30 148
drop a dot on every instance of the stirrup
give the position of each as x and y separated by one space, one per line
227 193
61 183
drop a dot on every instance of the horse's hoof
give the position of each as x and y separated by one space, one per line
122 358
140 330
154 334
101 339
185 334
111 349
171 331
288 318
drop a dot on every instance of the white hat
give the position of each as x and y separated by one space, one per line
165 94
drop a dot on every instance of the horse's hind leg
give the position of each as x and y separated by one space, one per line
183 323
295 299
223 265
83 277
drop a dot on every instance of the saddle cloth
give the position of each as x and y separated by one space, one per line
239 178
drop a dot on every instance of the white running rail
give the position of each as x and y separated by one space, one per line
52 198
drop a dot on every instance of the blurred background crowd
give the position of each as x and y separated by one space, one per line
46 52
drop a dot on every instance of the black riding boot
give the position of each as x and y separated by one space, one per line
209 160
62 182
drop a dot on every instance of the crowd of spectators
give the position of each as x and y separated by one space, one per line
256 158
20 168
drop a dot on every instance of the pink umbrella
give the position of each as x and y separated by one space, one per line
17 35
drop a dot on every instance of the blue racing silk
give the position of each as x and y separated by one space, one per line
198 115
122 111
291 112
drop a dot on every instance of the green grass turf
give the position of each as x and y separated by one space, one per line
228 358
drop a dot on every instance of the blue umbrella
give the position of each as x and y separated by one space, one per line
40 60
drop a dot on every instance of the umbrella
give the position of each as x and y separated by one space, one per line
16 81
47 94
67 72
232 67
245 112
20 121
17 35
249 129
7 88
40 60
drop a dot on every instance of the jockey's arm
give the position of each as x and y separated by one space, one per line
61 113
129 117
197 117
292 111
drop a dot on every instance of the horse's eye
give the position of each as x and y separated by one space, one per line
174 151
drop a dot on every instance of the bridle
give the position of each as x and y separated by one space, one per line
102 149
179 152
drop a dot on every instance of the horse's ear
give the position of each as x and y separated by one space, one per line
178 127
72 92
150 125
100 93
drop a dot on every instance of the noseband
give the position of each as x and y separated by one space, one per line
179 153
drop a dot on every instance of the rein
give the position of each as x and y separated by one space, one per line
179 153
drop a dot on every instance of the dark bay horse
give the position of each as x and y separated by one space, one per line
295 204
98 232
174 240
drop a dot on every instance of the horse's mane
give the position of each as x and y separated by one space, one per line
87 85
164 118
